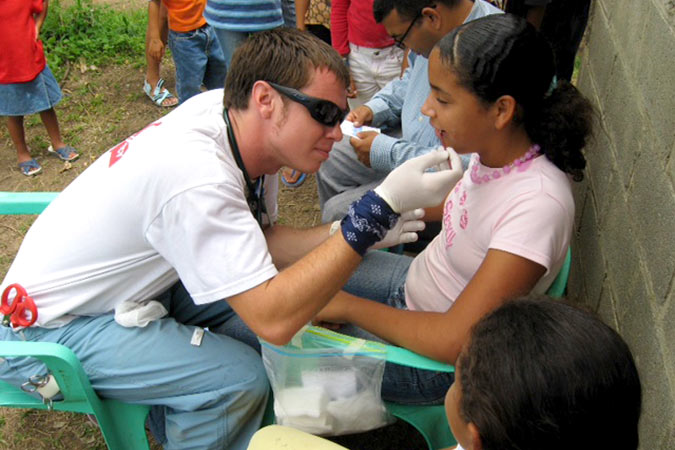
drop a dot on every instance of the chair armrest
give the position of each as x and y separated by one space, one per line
25 202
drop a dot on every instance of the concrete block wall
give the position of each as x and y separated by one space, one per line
624 243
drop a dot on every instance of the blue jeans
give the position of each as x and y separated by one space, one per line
212 396
229 41
380 277
199 60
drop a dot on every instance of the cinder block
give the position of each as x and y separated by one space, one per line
655 74
627 24
591 254
619 246
651 202
607 306
666 325
670 167
584 83
624 120
576 290
601 52
580 192
669 441
636 323
602 169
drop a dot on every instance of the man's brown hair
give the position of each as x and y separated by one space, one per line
284 56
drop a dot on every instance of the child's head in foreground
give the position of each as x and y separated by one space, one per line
541 374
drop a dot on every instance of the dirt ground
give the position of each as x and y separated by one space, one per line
100 108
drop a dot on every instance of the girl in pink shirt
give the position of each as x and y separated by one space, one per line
506 224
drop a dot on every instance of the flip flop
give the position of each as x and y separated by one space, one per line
159 94
297 183
30 167
66 153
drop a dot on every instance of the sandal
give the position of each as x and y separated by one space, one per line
160 95
30 167
66 153
296 183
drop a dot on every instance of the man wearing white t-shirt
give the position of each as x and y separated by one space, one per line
170 232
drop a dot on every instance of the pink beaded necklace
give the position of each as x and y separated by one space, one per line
518 164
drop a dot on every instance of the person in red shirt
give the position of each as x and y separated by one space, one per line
27 86
366 47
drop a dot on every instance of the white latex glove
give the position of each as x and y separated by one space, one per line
409 187
404 231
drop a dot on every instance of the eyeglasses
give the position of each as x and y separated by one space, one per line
399 42
323 111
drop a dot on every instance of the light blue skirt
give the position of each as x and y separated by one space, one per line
21 99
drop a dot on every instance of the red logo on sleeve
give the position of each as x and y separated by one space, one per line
120 149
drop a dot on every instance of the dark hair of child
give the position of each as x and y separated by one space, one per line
541 374
517 60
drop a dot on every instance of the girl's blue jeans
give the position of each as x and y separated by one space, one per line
199 61
211 396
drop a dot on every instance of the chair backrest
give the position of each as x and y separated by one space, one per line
122 424
559 285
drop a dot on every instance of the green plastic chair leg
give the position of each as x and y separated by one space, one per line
123 425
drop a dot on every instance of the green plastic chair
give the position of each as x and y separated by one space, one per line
25 202
122 425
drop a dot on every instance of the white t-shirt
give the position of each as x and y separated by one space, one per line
528 212
166 203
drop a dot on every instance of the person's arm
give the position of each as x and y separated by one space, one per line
155 44
434 213
40 18
440 336
535 15
276 309
287 245
280 306
339 26
301 7
384 153
387 104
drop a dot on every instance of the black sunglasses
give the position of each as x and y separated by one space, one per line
399 42
323 111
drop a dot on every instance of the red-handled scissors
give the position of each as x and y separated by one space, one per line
20 309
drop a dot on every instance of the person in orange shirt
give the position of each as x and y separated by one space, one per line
196 52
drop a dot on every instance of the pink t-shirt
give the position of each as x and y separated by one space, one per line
528 212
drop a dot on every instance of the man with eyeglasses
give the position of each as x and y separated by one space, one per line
357 166
172 231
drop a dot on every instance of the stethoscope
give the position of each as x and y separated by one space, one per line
255 199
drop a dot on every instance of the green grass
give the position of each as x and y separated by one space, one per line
84 33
